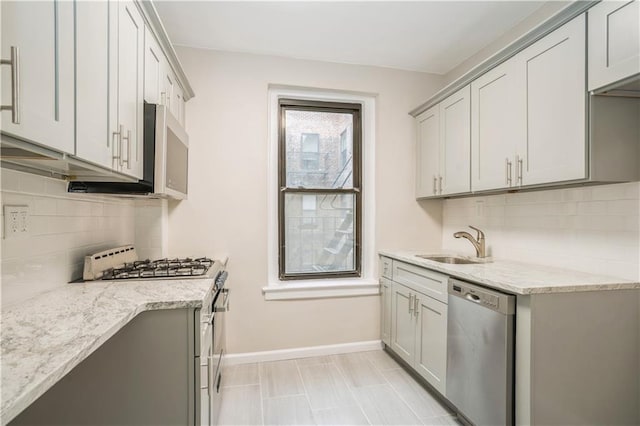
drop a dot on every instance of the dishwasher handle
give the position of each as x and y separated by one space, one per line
487 298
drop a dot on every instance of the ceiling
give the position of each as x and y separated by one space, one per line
428 36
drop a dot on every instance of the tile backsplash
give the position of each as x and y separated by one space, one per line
593 229
63 229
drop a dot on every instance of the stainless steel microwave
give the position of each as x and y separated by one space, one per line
165 164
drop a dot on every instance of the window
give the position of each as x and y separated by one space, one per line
319 202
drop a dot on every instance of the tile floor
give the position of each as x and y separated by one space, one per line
350 389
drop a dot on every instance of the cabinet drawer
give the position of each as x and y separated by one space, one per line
386 267
433 284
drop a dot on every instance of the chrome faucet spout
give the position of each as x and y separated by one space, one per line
478 243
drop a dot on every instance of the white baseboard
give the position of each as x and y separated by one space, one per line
282 354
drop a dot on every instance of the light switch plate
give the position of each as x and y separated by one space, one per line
16 221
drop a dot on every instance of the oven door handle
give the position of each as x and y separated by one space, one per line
225 307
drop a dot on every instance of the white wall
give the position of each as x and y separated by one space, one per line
226 212
593 229
64 228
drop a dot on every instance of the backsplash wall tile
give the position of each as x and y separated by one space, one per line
63 229
593 229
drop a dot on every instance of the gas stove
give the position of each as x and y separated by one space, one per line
161 268
122 263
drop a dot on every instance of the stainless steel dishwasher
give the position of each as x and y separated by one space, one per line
480 353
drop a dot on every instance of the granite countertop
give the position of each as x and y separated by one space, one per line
517 277
46 336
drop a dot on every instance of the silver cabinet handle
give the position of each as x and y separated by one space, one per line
206 387
507 165
440 183
519 165
128 160
435 190
416 303
14 63
118 145
163 96
410 302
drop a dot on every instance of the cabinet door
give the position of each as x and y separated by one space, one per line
497 126
428 152
431 341
455 142
555 71
385 311
178 103
42 32
92 82
168 85
403 324
153 68
130 87
614 42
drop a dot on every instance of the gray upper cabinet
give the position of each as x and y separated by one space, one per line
428 153
497 126
554 147
443 147
126 88
38 37
75 75
529 115
92 83
614 42
455 143
153 68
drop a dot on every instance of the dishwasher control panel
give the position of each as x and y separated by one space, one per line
492 299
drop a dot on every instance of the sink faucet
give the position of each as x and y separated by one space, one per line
478 244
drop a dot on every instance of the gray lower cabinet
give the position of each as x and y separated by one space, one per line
418 332
143 375
385 318
431 341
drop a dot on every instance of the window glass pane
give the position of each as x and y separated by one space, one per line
319 149
319 239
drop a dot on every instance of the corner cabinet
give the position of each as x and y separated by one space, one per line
38 84
418 325
443 147
614 42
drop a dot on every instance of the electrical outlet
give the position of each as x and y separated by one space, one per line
16 221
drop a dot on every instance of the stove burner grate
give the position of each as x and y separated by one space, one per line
162 268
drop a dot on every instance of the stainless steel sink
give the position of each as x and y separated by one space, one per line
449 259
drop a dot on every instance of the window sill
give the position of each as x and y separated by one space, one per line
321 290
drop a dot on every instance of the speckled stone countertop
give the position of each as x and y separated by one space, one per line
517 277
46 336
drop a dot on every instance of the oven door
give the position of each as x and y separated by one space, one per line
220 307
205 368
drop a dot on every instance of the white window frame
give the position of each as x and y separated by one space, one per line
365 285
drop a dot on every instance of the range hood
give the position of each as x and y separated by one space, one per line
28 157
